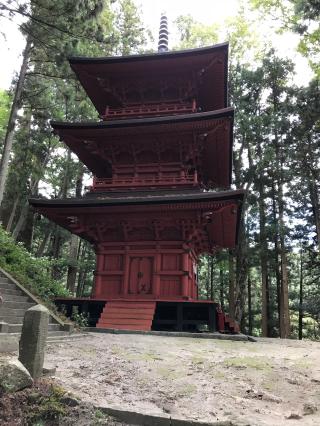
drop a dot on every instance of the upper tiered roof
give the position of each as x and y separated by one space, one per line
194 80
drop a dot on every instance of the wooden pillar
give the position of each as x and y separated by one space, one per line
98 278
157 275
185 276
125 288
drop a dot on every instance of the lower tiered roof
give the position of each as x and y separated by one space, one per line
211 217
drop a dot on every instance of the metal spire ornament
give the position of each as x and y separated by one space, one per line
163 34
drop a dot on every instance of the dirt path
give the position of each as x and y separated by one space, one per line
271 382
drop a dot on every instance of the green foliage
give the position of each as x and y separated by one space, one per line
33 273
46 407
301 17
194 34
99 415
5 100
81 319
130 34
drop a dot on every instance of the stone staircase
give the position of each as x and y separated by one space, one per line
16 300
127 315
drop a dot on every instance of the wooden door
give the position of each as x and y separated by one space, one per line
141 275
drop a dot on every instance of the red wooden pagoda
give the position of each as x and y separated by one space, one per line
161 160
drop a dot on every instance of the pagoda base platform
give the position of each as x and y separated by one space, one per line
141 314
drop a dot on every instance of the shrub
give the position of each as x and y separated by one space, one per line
31 272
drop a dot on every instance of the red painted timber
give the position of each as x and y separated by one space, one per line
127 315
123 310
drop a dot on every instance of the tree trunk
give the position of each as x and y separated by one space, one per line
24 212
241 271
263 263
79 180
16 104
82 274
12 214
231 285
249 306
276 254
44 242
314 198
211 278
301 296
75 241
56 245
284 293
27 232
57 239
66 178
221 275
208 278
73 260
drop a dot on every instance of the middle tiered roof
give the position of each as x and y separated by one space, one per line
200 142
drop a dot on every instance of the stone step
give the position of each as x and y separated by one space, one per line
56 333
53 327
17 304
3 278
65 338
15 298
8 285
15 328
12 319
13 291
11 311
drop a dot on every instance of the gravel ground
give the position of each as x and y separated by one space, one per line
270 382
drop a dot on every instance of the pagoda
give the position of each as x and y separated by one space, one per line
161 160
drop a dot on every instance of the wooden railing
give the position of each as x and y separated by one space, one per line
134 182
150 109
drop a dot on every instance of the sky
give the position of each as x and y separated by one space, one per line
206 11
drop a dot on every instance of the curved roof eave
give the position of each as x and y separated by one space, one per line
132 122
174 198
147 56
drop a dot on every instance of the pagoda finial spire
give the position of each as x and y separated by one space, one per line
163 34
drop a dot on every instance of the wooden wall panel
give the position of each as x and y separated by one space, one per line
113 262
170 286
110 286
170 262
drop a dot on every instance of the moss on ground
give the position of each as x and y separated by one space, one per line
197 360
257 363
46 404
186 390
170 374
